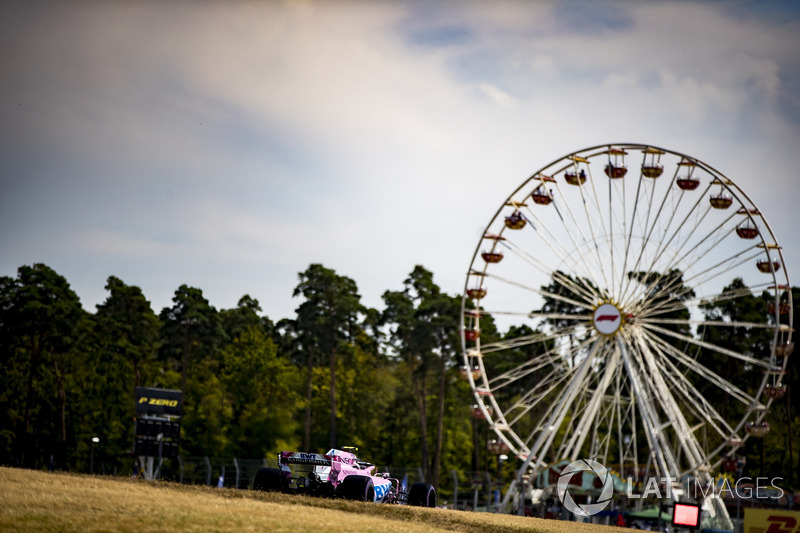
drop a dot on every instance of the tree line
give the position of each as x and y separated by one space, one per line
336 374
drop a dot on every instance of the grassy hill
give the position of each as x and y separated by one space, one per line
46 501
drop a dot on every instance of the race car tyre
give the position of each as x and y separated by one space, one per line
422 495
269 480
358 488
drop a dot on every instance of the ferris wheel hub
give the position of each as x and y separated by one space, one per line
607 319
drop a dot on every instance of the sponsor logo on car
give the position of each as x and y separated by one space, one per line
306 459
381 490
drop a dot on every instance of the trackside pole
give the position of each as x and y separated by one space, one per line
455 489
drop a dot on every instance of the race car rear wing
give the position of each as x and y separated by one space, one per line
298 458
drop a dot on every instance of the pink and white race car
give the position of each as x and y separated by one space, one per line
339 474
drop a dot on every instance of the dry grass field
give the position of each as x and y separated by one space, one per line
43 501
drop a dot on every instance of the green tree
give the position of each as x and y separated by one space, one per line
119 355
39 316
744 307
737 304
192 336
261 388
327 317
365 384
424 334
192 330
129 329
244 316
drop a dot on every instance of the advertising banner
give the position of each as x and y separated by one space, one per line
771 521
158 401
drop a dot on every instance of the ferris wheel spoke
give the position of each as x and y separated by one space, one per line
553 358
578 437
583 319
626 426
578 243
641 228
705 411
541 292
553 243
711 241
547 432
726 436
582 290
665 273
591 225
585 243
672 433
556 359
733 294
525 256
664 244
664 396
576 411
677 305
714 323
535 314
720 268
651 423
602 430
707 374
596 204
700 279
695 402
677 287
577 321
652 228
525 340
591 222
543 425
628 229
693 220
696 251
708 346
694 214
536 395
614 222
543 230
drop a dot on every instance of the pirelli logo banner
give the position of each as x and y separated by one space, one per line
158 401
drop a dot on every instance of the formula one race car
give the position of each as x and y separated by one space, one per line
339 474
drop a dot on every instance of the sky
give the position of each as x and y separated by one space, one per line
228 145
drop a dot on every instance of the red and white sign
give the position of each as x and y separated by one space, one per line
607 319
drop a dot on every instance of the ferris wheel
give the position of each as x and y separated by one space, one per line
648 314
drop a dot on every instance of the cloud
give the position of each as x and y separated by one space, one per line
498 96
235 143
